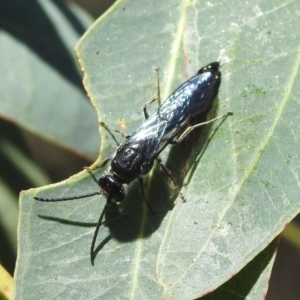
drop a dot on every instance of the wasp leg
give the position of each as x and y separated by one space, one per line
191 128
154 97
142 191
90 170
169 173
109 128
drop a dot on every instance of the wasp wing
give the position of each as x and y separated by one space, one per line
192 98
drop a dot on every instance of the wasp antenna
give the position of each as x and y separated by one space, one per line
67 198
92 254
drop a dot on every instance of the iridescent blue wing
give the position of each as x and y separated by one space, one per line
192 98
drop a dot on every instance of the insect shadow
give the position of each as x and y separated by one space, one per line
126 219
169 124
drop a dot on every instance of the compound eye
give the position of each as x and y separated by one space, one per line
111 188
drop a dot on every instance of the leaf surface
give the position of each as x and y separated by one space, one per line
240 176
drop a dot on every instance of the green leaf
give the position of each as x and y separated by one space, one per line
240 176
252 280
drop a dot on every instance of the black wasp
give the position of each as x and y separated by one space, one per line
169 124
